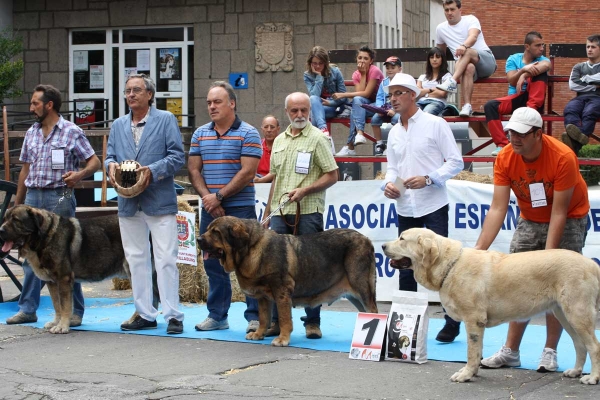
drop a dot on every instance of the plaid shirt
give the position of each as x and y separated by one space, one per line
284 155
37 151
138 129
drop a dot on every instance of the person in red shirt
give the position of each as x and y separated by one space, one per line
553 200
270 129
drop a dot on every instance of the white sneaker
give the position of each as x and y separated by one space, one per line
466 110
359 139
345 151
548 361
449 85
325 132
505 357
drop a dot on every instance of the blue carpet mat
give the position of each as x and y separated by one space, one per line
106 315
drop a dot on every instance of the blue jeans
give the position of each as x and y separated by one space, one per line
583 111
431 106
437 221
219 284
378 120
319 112
48 199
309 223
358 117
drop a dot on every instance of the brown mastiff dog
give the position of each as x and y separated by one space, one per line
306 270
63 250
488 288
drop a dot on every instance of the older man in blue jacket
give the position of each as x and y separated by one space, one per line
152 138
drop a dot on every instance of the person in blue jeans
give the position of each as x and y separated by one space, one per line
393 65
433 100
50 185
224 157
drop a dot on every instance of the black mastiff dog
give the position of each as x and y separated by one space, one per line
63 250
305 270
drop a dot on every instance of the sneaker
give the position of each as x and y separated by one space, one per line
273 330
210 324
448 86
252 326
326 132
21 318
175 327
498 150
548 361
505 357
380 148
346 112
466 110
313 331
138 324
567 140
448 333
345 151
359 139
75 320
575 133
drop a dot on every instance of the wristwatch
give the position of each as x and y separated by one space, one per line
428 180
220 197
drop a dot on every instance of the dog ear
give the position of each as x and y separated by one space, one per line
430 251
238 232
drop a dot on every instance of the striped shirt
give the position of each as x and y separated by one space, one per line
37 151
221 158
284 155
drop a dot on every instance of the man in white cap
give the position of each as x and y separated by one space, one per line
552 197
422 155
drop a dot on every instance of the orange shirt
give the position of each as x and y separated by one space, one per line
557 168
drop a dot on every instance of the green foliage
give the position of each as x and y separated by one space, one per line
11 68
591 173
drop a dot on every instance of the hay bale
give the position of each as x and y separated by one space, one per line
121 284
473 177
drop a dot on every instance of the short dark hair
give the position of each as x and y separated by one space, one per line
148 82
457 2
228 88
367 49
531 36
50 93
594 38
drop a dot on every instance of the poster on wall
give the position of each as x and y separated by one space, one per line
170 64
84 112
96 76
143 60
130 71
80 60
174 106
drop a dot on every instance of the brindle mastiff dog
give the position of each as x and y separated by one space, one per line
63 250
305 270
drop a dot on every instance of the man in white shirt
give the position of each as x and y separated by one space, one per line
422 155
474 59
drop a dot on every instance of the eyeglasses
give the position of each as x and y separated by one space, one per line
398 93
135 90
521 135
317 63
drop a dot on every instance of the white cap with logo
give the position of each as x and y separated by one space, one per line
401 79
523 119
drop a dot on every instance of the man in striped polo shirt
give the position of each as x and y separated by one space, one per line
224 156
304 168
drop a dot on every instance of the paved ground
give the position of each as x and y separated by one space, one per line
90 365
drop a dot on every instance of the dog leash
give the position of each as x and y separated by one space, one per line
275 211
66 194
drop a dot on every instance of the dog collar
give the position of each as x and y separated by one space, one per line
450 268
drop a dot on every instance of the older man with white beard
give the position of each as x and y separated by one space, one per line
303 168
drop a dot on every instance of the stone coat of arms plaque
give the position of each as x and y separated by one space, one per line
273 50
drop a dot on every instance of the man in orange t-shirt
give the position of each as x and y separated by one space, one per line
553 199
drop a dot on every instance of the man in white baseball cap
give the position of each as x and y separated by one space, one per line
417 148
553 200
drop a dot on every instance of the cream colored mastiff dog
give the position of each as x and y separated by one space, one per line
488 288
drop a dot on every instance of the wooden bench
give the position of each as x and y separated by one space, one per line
501 53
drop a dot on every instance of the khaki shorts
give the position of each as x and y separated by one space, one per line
532 235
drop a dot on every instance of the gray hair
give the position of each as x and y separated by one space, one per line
294 94
150 86
228 88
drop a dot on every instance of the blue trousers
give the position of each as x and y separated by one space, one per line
309 223
219 284
48 199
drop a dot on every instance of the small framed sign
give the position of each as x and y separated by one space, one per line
369 337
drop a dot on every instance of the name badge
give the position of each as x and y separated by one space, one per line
302 163
538 195
58 159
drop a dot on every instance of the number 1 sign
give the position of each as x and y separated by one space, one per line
369 335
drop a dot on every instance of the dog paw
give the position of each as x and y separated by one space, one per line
254 336
59 329
589 380
572 373
280 342
51 324
463 375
